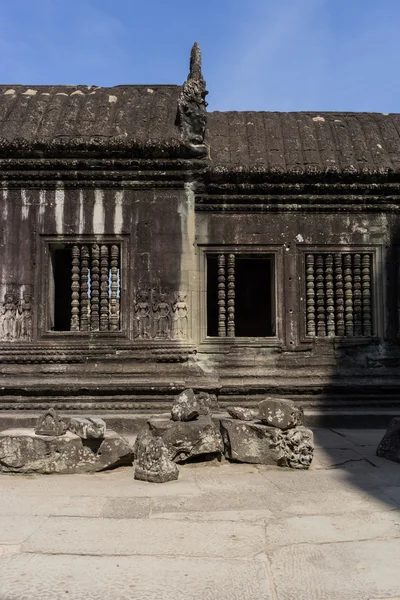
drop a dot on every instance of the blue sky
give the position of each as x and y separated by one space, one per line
257 54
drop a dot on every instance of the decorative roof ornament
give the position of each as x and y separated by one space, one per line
192 113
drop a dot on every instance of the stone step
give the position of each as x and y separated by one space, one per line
130 423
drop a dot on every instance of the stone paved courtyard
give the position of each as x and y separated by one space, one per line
237 532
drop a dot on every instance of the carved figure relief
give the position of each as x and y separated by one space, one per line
142 310
24 315
162 318
16 316
180 309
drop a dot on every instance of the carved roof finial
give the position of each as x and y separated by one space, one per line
195 63
192 105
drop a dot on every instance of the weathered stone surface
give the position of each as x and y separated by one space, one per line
281 413
23 451
186 407
252 442
389 446
50 424
242 413
152 460
185 440
87 428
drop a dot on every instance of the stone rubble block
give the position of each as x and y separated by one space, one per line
23 451
242 413
389 446
185 440
187 406
280 413
87 428
254 442
152 460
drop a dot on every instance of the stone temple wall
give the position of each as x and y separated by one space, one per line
164 234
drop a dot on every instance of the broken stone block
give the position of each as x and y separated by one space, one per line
280 413
242 413
186 407
23 451
252 442
49 423
389 446
185 440
152 461
87 428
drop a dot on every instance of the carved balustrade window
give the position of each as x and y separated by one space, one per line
240 295
338 294
85 287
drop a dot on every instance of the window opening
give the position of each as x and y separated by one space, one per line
338 294
86 287
240 296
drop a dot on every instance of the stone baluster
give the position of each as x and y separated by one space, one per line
231 295
84 288
104 274
339 294
75 288
310 295
348 295
330 296
357 295
114 300
94 304
320 294
366 294
221 296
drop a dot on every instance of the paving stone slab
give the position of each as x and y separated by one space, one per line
13 503
333 528
16 529
340 571
219 515
126 508
37 577
145 537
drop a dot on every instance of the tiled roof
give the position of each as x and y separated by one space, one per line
239 141
124 112
304 141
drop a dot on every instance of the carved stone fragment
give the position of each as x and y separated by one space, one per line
186 407
242 413
87 428
22 451
252 442
207 402
50 424
280 413
184 440
152 460
389 446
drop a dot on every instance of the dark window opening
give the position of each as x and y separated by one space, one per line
62 270
240 292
